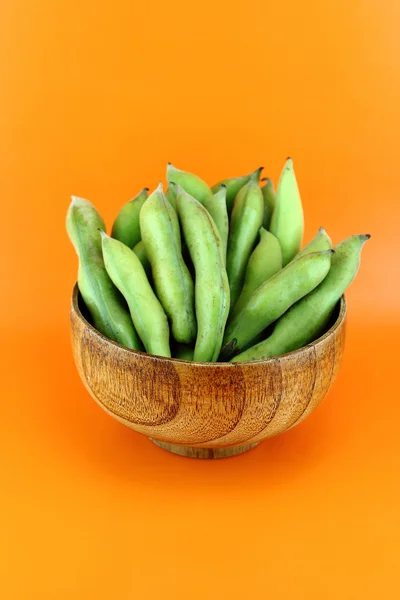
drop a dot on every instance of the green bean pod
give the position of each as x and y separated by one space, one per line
192 184
140 252
211 285
234 184
171 196
174 286
216 206
264 262
287 222
126 226
104 302
246 220
308 319
276 296
148 316
321 241
268 193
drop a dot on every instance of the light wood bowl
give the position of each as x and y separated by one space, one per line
205 410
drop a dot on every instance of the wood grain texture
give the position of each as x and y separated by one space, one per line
205 405
196 452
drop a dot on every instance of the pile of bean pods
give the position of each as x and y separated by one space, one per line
211 274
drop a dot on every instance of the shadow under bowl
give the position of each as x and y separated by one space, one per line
205 410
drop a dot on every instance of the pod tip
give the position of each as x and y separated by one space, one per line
227 351
146 189
77 200
363 237
177 187
223 185
255 175
268 180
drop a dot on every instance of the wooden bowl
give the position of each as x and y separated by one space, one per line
205 410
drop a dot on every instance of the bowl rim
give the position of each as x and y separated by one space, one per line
334 327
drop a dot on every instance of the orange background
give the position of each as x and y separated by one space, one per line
95 98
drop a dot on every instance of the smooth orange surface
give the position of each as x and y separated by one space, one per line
95 98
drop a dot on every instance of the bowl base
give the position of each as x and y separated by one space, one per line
192 452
